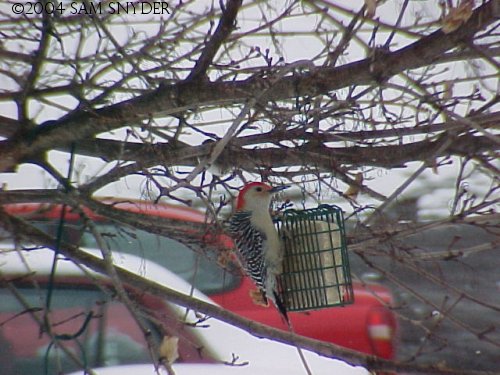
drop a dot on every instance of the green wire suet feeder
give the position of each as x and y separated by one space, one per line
316 271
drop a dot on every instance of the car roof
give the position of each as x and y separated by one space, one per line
164 210
223 339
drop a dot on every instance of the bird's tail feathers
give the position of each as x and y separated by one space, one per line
281 308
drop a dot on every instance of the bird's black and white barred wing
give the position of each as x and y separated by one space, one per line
250 243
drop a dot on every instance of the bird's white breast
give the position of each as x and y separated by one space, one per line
272 244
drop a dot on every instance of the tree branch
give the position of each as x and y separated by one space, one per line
170 99
226 25
321 158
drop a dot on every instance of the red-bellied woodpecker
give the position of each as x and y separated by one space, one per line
259 247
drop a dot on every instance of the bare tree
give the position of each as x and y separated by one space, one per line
330 98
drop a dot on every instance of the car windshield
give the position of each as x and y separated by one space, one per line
92 330
200 270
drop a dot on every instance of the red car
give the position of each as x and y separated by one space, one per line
367 326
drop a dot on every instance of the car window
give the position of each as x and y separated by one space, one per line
200 270
110 337
5 236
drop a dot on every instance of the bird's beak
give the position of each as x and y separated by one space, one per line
276 189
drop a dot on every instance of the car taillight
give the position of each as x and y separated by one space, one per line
381 331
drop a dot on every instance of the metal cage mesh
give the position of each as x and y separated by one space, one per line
316 271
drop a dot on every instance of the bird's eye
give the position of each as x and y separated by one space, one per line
258 188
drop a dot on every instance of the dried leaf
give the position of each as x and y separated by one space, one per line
434 166
224 258
371 7
448 90
258 298
447 95
169 349
353 190
456 17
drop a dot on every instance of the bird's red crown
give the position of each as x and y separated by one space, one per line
240 203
